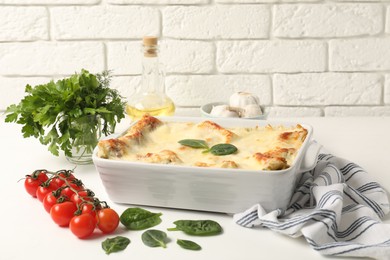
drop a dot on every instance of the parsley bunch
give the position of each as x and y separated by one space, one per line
49 111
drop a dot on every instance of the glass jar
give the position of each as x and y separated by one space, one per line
150 98
89 132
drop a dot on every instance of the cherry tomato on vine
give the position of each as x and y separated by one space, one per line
78 197
88 209
61 176
76 184
107 220
68 192
62 213
44 189
32 182
82 225
58 181
49 201
31 186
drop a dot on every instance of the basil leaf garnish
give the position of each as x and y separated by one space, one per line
218 149
154 238
223 149
138 219
115 244
194 143
187 244
197 227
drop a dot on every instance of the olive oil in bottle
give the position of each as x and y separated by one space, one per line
150 97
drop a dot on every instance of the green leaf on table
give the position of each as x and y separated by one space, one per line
139 219
154 238
115 244
188 244
197 227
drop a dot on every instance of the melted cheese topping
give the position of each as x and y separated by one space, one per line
161 146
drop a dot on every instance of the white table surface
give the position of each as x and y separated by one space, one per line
27 231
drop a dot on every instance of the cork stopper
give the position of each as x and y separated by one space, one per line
150 46
150 40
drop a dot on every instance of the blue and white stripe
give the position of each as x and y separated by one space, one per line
339 199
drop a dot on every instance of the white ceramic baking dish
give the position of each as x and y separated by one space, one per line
206 189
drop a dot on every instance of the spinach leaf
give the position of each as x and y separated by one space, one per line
115 244
154 238
139 219
187 244
194 143
197 227
223 149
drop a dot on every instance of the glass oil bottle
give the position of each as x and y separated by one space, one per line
150 97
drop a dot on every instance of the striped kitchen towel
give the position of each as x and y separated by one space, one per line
336 207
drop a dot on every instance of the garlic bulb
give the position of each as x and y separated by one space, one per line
241 99
229 113
223 111
251 111
217 110
241 104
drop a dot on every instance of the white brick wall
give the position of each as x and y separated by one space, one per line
313 89
388 20
387 90
23 24
301 57
154 2
271 56
103 22
50 58
186 56
49 2
357 111
360 54
216 22
17 85
214 88
327 20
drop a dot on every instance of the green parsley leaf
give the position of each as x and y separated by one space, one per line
48 111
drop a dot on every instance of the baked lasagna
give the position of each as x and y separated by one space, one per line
151 140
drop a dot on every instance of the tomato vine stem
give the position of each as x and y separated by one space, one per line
64 175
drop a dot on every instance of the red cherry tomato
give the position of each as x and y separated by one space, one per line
68 190
76 185
61 176
78 197
62 213
31 186
50 200
45 188
88 209
58 181
82 225
32 182
107 220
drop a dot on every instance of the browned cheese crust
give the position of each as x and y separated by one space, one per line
116 147
224 164
165 157
293 137
226 134
275 159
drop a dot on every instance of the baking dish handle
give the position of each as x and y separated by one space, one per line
309 161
